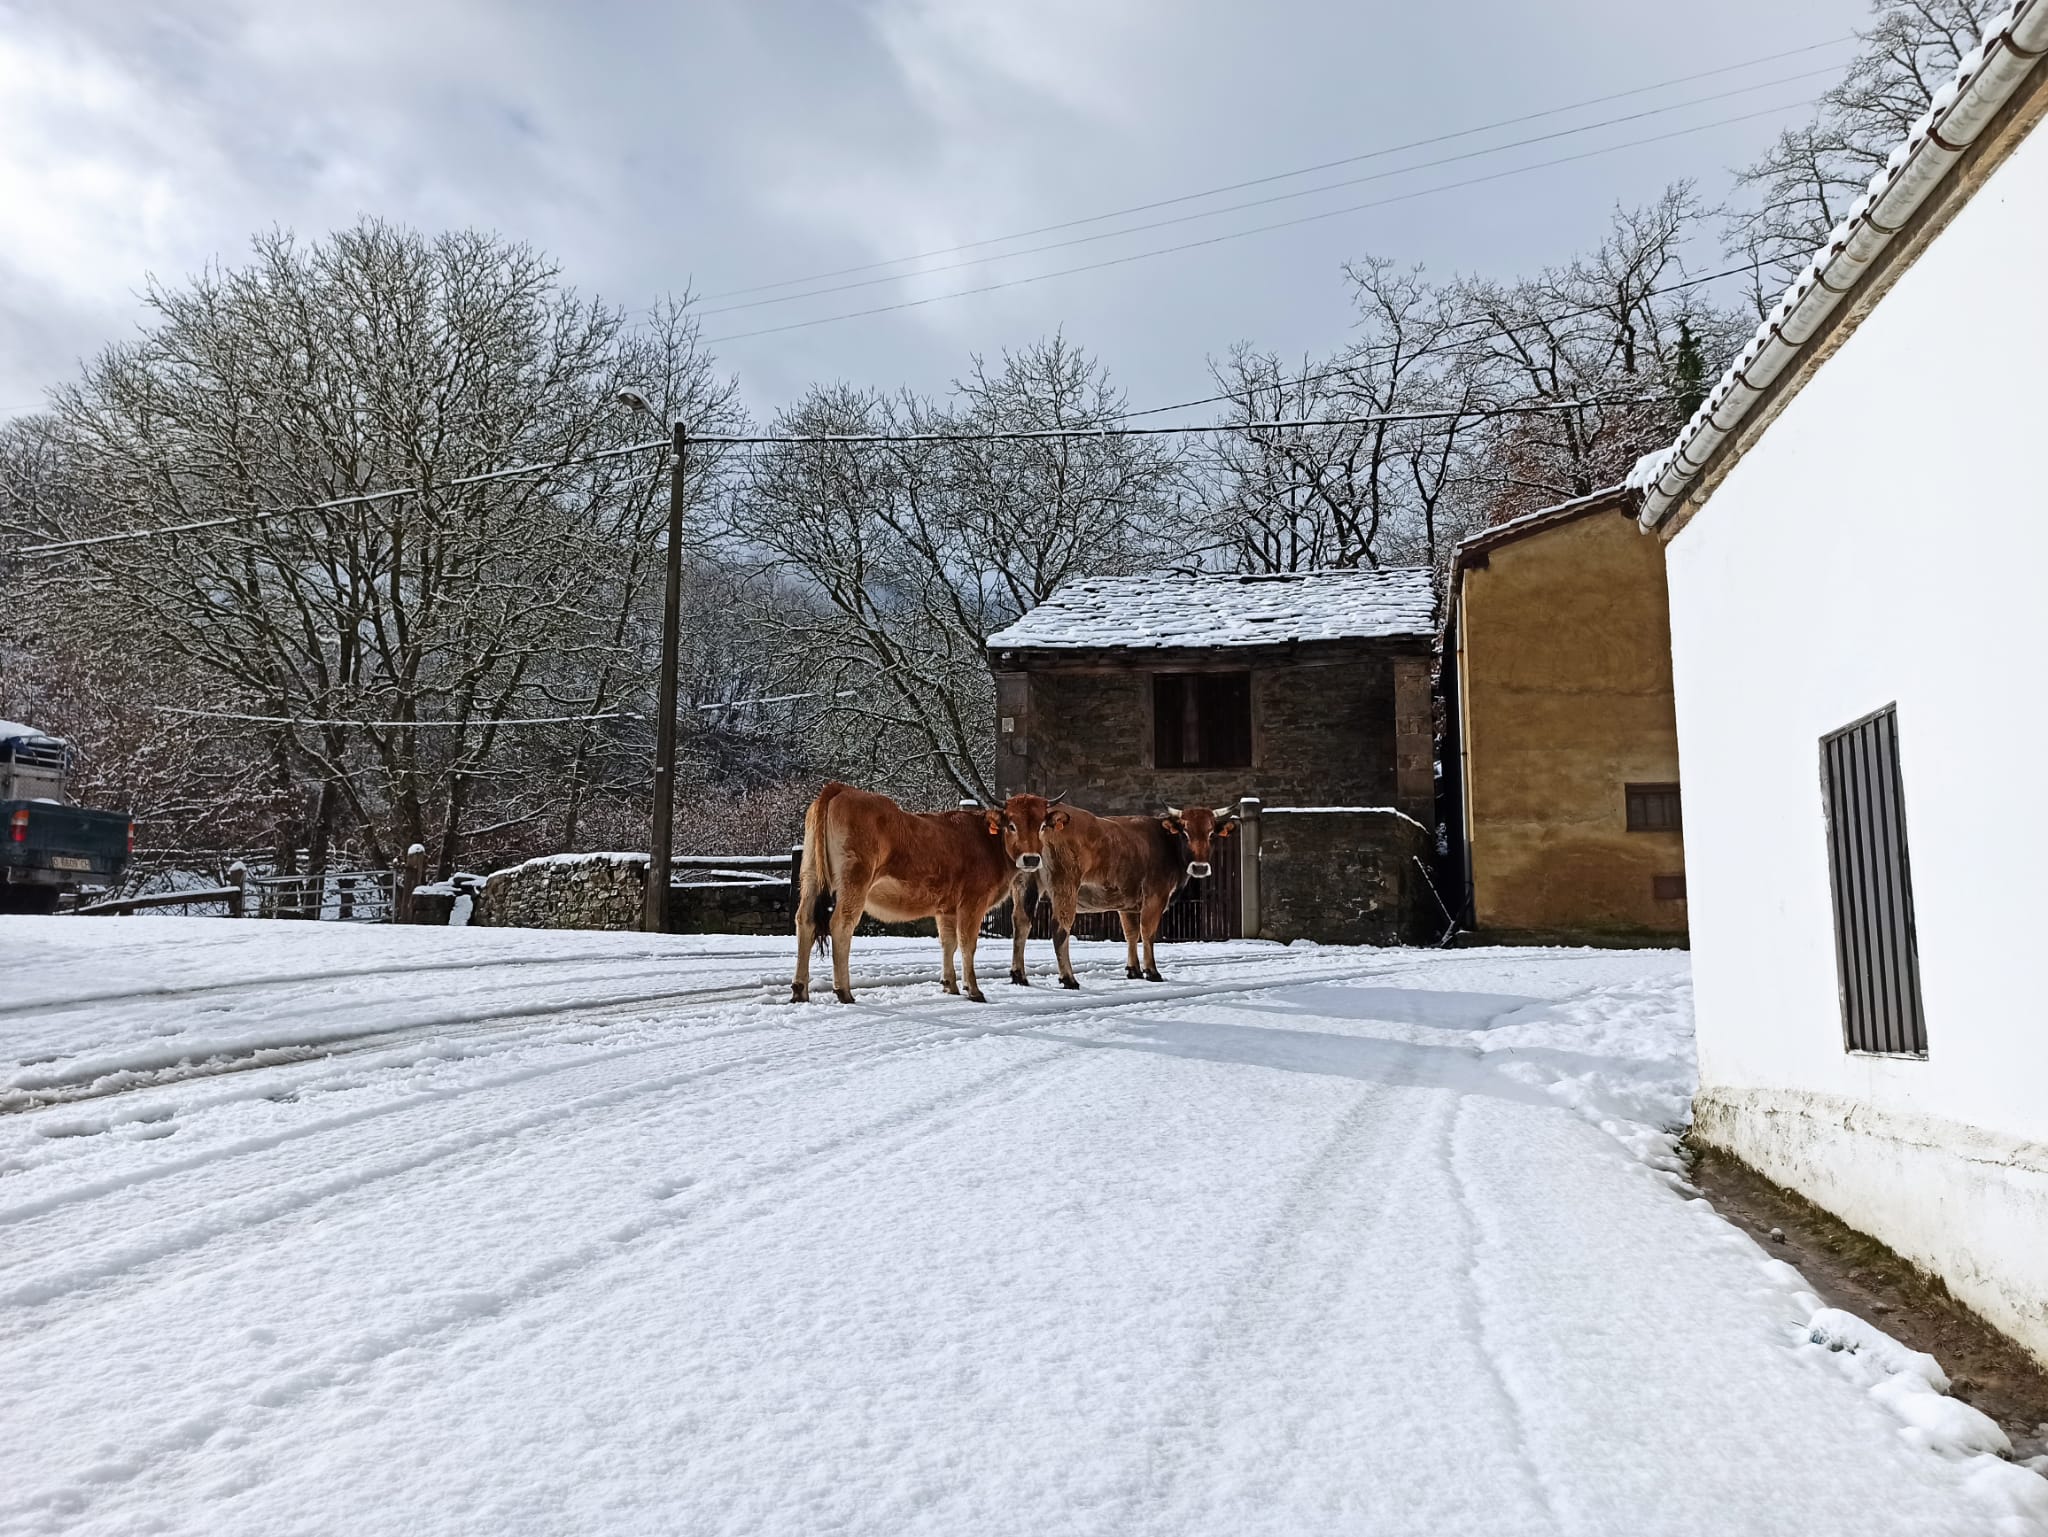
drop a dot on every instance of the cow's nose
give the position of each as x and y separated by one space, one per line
1027 862
1199 869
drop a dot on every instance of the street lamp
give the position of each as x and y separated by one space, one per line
661 832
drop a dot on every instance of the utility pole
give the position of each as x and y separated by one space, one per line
654 916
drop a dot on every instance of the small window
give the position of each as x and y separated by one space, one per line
1653 809
1667 888
1876 952
1202 719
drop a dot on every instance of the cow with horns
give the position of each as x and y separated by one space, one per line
1131 866
863 853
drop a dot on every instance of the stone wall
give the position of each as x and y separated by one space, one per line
565 891
1343 877
607 891
1348 732
748 908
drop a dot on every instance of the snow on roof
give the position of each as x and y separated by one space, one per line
1607 498
1150 613
1957 114
11 729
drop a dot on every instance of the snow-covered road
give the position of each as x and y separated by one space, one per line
314 1229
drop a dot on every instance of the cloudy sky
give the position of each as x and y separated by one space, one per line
722 145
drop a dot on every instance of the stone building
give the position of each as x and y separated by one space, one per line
1561 753
1308 693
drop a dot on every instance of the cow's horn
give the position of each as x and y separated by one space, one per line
1173 811
1057 798
1222 811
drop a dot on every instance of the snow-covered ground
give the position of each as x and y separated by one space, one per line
314 1229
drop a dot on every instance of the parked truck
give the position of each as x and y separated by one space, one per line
47 847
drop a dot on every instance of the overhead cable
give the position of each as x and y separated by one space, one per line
1263 202
1307 170
1257 229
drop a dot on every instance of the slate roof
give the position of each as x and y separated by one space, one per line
1175 612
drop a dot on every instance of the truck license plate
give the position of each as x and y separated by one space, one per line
67 862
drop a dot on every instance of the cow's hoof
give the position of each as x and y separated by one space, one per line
1133 973
951 988
1153 976
1018 979
798 993
976 995
843 994
1073 982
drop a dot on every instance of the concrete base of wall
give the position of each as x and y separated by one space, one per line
1571 939
1967 1205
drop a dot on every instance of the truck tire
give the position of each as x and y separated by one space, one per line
38 900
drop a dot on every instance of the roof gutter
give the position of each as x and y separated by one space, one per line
1985 81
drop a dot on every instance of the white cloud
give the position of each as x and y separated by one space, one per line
737 142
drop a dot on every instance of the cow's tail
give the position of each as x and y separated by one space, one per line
817 886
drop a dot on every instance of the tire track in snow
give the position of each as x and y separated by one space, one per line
817 1167
1471 1300
75 1001
1378 1126
1190 1440
1049 1005
278 1204
84 1081
146 1066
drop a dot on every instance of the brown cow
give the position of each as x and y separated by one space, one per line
865 853
1131 866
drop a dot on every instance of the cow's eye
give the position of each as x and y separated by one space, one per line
1009 826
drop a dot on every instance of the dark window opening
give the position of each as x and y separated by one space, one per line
1653 809
1667 888
1202 719
1876 952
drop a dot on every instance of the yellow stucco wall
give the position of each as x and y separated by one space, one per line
1565 671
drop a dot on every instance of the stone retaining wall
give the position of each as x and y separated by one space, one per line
565 891
1343 876
608 891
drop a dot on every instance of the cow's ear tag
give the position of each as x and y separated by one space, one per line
995 824
1226 829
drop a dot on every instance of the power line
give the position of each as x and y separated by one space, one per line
259 515
1025 435
460 725
1263 202
1257 229
1486 336
1308 170
480 723
1473 413
740 704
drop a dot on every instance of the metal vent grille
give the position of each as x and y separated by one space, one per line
1876 953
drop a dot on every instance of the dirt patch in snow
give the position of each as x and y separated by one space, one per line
1853 1271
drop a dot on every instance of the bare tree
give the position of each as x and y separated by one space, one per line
1295 498
1607 340
387 647
1459 404
918 551
1804 183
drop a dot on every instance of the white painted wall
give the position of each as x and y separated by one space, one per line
1887 540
